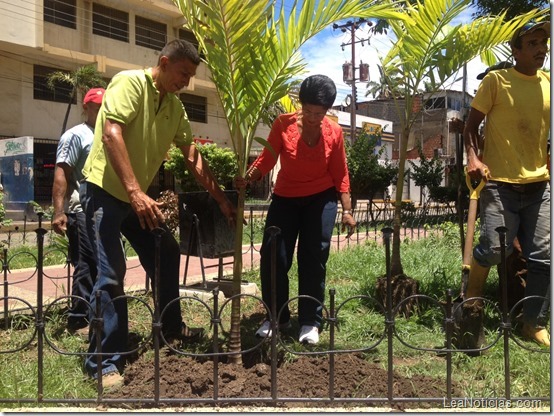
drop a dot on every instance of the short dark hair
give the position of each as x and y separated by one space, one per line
318 90
179 49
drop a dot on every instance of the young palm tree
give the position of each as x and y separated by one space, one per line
431 47
251 49
82 79
383 88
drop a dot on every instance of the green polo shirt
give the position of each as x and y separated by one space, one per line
133 100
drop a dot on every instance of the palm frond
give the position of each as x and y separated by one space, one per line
252 51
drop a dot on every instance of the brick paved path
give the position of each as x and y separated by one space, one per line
23 283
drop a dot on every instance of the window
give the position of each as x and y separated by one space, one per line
435 104
196 107
111 23
60 12
150 33
61 92
189 36
454 104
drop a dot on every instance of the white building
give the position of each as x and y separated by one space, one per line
38 37
369 124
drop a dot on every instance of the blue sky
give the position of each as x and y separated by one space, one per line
324 55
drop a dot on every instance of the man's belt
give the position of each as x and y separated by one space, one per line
523 188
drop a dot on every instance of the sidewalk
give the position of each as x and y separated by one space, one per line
23 283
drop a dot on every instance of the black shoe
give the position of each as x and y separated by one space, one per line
185 334
78 327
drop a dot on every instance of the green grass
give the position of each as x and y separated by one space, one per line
353 272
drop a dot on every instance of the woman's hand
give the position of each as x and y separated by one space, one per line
239 182
252 175
349 222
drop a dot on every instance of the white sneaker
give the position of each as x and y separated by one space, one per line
309 334
265 330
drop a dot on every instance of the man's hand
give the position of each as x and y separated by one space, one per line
146 209
477 170
229 211
59 223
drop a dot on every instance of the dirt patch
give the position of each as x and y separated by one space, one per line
303 377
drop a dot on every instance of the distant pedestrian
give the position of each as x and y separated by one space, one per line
69 219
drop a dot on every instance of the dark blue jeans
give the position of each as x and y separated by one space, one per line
106 217
82 259
310 219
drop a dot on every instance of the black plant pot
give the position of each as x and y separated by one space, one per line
217 238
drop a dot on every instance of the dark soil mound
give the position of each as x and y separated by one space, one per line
304 377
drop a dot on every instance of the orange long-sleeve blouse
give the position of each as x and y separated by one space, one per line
305 170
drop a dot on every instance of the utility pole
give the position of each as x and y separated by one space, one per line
349 69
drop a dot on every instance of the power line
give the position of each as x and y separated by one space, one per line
350 76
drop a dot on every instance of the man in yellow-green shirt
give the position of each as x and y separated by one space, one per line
140 117
516 105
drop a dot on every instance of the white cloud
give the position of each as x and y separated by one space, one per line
323 55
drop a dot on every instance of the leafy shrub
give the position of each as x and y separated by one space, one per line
222 162
368 174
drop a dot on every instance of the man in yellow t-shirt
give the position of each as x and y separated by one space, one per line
516 104
140 117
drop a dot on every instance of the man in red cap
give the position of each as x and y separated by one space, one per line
69 219
516 104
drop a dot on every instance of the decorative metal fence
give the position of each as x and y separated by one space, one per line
41 339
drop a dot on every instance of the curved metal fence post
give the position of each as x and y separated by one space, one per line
216 320
156 327
40 315
5 273
449 327
506 325
98 325
332 322
387 233
274 232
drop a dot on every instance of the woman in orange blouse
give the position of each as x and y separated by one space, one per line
312 177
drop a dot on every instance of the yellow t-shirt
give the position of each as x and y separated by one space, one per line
133 100
517 125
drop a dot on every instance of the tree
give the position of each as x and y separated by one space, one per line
431 47
252 51
368 173
512 8
82 79
382 89
428 174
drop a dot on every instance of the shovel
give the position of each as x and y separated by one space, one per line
468 319
471 218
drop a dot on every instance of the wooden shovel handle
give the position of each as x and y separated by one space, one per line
471 217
